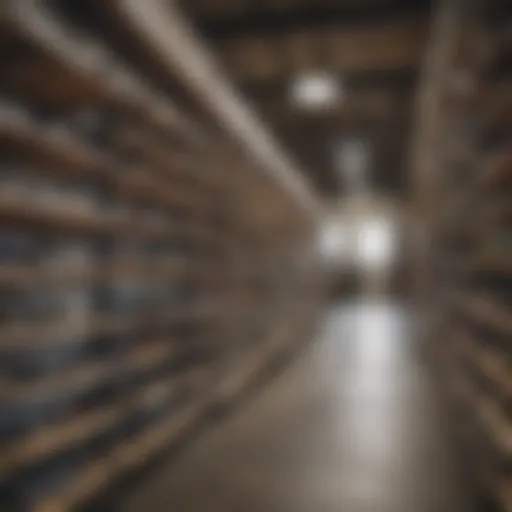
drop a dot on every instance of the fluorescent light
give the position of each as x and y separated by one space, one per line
315 91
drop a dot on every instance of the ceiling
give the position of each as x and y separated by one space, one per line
374 48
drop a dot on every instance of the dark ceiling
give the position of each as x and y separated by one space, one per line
374 47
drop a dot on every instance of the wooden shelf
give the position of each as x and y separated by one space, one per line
491 262
491 424
65 62
495 105
495 423
125 457
60 152
24 215
486 311
180 166
161 204
61 332
475 163
50 440
498 170
80 378
26 276
490 362
135 453
502 488
55 151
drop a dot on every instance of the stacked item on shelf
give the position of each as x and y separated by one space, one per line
138 280
474 251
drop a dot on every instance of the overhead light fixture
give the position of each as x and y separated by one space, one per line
315 91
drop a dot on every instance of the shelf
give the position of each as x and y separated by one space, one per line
60 332
486 311
56 151
77 65
200 233
26 215
496 105
43 76
145 356
497 171
491 262
134 453
180 166
490 363
490 418
125 457
61 152
26 276
473 193
50 440
502 488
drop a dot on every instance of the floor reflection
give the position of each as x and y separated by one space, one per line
353 426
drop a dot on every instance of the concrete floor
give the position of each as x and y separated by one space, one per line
352 426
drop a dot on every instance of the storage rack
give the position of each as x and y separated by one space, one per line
471 232
148 269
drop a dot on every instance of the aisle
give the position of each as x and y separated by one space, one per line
353 426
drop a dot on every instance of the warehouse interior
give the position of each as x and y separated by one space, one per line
255 256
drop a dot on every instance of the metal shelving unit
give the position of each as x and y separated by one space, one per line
147 264
472 240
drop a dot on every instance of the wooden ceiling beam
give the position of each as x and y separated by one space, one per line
267 22
353 50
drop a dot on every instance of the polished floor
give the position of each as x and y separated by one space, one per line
353 425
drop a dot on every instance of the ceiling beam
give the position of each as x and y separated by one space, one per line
267 22
354 50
